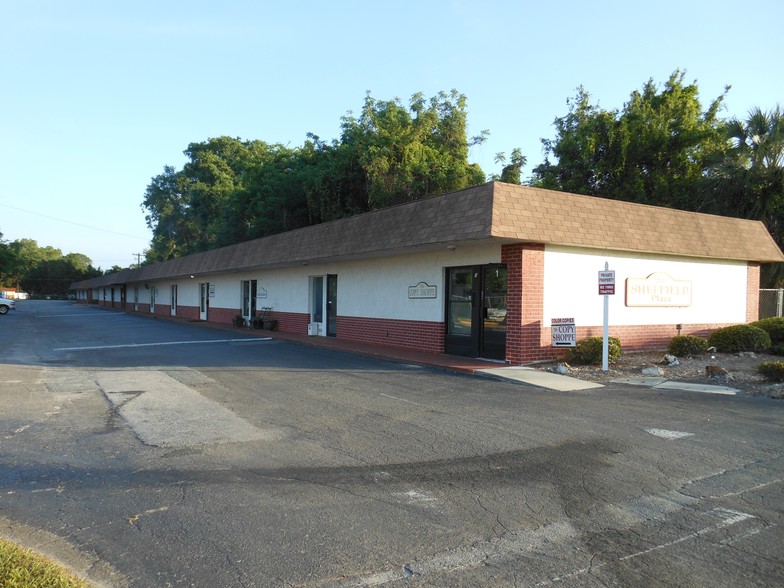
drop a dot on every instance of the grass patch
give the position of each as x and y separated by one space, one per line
23 568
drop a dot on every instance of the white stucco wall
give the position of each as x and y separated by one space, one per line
571 288
375 288
378 288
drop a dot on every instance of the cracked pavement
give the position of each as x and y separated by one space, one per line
270 464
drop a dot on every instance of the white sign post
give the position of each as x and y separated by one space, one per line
606 288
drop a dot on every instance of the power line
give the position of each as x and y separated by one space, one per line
62 220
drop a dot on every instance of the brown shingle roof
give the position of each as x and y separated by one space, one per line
491 211
547 216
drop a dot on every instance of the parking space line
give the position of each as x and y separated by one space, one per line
133 345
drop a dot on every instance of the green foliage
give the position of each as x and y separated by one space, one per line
512 171
653 151
772 370
42 271
738 338
21 568
687 345
232 190
407 154
773 326
589 351
748 180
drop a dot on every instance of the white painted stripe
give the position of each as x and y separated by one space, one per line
400 399
734 518
80 315
730 517
665 434
132 345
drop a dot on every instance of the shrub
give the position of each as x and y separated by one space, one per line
687 345
777 349
589 351
773 326
739 338
772 370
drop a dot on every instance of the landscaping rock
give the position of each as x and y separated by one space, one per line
716 372
652 370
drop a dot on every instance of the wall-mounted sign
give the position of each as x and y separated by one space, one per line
658 289
262 293
422 290
212 290
564 332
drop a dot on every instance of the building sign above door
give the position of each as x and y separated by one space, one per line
422 290
658 289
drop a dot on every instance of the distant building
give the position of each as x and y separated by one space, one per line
491 271
13 293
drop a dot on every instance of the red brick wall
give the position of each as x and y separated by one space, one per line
632 337
525 302
188 312
752 292
420 335
292 322
221 315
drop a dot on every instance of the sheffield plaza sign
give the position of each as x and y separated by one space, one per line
564 332
658 289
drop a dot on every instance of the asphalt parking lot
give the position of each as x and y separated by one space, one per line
148 452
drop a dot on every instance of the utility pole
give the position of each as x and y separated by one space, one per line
138 257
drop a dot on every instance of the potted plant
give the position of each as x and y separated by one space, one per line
238 321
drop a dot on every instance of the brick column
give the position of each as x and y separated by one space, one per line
752 292
525 302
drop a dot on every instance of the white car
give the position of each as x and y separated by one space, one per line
6 304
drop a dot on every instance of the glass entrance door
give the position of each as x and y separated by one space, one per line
476 311
204 300
249 288
493 335
462 338
173 307
332 305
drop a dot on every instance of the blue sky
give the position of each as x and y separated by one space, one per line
97 96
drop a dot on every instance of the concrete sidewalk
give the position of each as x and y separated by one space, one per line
496 369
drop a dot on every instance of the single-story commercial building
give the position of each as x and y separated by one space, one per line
497 271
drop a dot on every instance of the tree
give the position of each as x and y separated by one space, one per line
169 216
232 190
407 154
6 260
53 277
511 172
748 179
653 151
